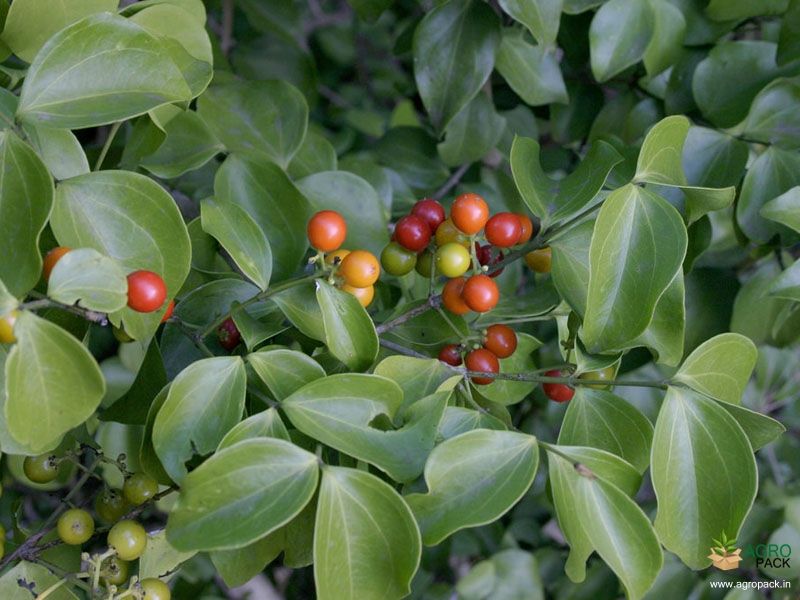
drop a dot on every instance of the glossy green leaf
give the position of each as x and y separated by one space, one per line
541 17
349 331
159 557
600 419
30 23
241 237
570 265
417 377
178 23
68 83
314 155
366 543
472 133
52 383
270 197
241 494
660 161
301 308
507 575
738 10
619 35
87 277
457 420
189 144
567 196
720 367
664 336
773 173
531 71
148 459
266 118
411 152
788 39
773 116
712 158
784 209
59 149
635 227
759 429
787 284
237 567
339 411
356 200
609 467
725 83
133 406
132 219
703 472
473 479
602 518
510 392
10 589
669 28
284 371
204 402
26 198
267 423
454 54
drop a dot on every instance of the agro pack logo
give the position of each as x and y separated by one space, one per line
774 556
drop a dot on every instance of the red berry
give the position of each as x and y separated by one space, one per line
500 340
480 293
469 213
146 291
503 230
326 230
484 254
228 334
558 392
413 233
50 260
484 361
169 311
452 298
450 354
528 228
430 211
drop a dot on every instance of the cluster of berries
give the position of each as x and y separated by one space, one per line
433 244
358 270
126 539
499 341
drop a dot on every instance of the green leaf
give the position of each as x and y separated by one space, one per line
52 383
148 459
600 419
567 196
173 21
189 144
570 265
712 158
720 367
531 71
784 209
315 154
609 467
788 38
241 494
30 23
669 28
270 197
260 118
133 406
660 162
507 575
635 227
159 558
10 589
772 174
356 200
454 54
366 543
457 420
773 116
59 149
739 10
26 198
349 331
68 83
241 237
508 392
267 423
284 371
703 472
472 133
237 567
339 411
619 35
204 401
665 334
596 515
725 83
411 152
541 17
787 284
759 429
87 277
417 377
370 10
473 479
299 304
132 219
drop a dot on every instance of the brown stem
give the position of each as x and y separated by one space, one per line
432 302
451 182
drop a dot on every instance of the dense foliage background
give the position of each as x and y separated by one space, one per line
655 142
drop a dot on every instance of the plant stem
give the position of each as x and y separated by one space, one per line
290 283
582 469
556 231
43 303
451 182
402 349
568 380
226 38
433 302
107 145
455 329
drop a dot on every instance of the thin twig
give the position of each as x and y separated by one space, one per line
432 302
402 349
451 182
112 133
226 36
44 303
